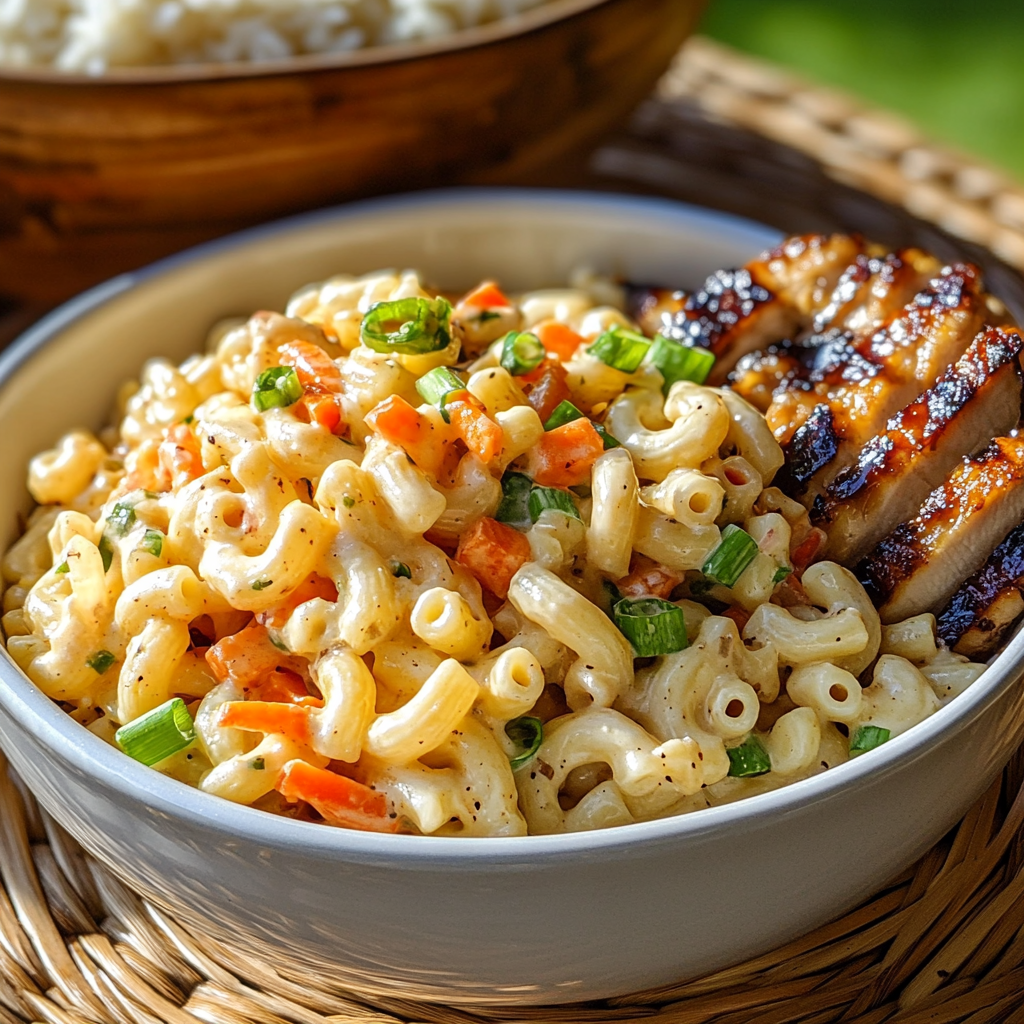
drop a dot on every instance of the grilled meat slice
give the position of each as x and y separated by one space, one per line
874 288
758 375
739 311
863 382
652 308
919 566
984 610
974 400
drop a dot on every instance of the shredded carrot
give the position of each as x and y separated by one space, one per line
418 436
284 686
545 387
314 585
493 553
246 656
340 800
485 296
564 456
269 718
180 460
557 338
647 577
479 432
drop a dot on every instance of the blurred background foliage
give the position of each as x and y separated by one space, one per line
957 69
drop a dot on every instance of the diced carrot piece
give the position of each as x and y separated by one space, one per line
146 474
493 552
269 718
321 408
739 615
485 296
804 552
545 387
557 338
646 578
419 437
180 460
340 800
563 457
313 366
246 656
314 585
283 686
480 433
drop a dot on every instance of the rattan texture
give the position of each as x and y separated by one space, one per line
943 943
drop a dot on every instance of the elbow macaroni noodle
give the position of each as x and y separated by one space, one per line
334 582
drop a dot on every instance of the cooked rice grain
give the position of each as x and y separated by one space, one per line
94 35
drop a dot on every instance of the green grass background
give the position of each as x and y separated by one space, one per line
957 69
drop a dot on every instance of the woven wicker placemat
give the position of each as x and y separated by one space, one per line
943 943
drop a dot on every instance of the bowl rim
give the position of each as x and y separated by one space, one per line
54 729
533 20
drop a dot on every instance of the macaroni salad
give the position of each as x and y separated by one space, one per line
484 569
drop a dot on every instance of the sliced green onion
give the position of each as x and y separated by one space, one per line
527 733
521 352
734 553
401 569
278 644
262 584
411 327
158 733
100 661
781 573
612 596
564 412
62 568
515 501
153 542
867 737
620 349
680 362
122 518
651 624
106 551
749 759
544 498
606 438
439 382
279 386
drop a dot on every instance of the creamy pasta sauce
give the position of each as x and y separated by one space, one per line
487 570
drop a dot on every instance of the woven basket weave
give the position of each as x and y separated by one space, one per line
943 943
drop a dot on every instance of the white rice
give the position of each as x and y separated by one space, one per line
94 35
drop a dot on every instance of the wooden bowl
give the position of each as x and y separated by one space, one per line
100 175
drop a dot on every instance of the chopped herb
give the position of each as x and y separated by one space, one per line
153 542
781 573
521 352
262 584
258 764
100 661
401 569
606 438
750 758
122 518
348 501
515 502
189 419
621 349
651 624
106 551
62 568
736 550
278 644
410 326
277 387
158 733
564 412
544 498
527 733
487 314
867 737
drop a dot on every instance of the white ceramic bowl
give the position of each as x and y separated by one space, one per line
531 920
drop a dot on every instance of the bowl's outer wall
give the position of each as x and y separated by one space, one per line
535 920
100 177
